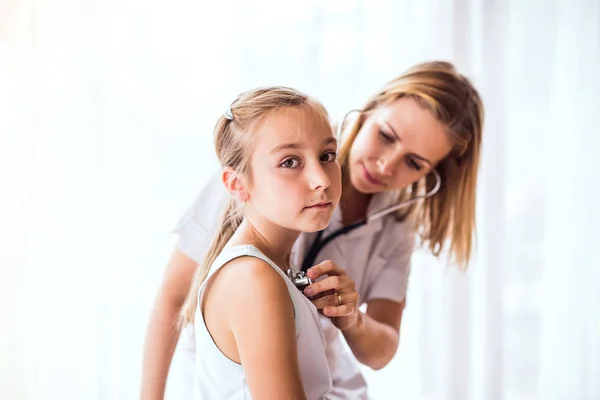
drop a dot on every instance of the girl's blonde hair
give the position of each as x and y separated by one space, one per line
448 217
233 136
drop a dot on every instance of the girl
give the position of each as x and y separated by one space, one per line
251 340
421 130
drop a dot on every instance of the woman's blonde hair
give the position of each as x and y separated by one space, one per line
448 217
233 136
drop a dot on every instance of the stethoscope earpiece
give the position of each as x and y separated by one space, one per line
408 202
340 127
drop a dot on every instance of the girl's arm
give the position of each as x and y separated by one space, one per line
253 301
163 328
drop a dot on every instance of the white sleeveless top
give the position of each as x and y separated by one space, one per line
218 377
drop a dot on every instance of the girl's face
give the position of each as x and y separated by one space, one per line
295 178
399 143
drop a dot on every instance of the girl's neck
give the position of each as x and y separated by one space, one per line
272 240
354 205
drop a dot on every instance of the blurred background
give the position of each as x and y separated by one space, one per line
106 116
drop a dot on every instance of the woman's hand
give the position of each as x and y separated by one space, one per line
336 295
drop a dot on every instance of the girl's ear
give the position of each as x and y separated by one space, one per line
234 184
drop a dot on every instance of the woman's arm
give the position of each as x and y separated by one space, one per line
196 229
373 336
253 301
163 328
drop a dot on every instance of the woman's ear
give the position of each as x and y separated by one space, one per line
234 184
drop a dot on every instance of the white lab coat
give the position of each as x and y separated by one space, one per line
376 256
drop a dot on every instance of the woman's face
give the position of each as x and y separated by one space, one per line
399 143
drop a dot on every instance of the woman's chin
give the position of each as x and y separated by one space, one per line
361 185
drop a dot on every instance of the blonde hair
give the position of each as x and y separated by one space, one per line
448 217
233 136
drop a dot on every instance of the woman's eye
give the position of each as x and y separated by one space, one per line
329 156
290 163
386 137
414 165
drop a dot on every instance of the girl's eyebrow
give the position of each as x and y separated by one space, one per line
299 145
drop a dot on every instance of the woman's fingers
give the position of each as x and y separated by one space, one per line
341 311
338 304
337 283
325 268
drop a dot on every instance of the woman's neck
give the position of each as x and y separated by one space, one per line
354 205
272 240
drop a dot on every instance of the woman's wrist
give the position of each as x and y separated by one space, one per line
357 325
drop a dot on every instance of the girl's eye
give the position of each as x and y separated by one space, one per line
330 156
290 163
386 137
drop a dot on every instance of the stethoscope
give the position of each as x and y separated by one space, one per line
321 242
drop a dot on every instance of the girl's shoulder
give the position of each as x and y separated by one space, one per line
242 283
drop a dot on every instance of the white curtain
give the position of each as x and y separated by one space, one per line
107 109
